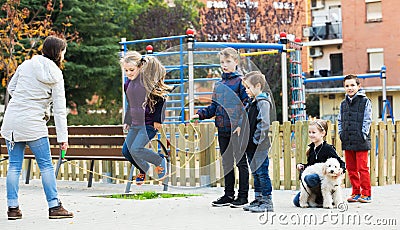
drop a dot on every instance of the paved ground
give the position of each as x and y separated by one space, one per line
97 213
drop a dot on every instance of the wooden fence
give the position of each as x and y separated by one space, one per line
195 157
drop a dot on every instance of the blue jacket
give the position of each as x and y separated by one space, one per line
229 97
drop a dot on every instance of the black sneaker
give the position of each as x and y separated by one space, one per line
239 202
222 201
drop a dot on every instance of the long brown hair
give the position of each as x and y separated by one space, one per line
52 49
321 125
153 76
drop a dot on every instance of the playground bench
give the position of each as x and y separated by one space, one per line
85 143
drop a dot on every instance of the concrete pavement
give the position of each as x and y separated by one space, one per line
97 213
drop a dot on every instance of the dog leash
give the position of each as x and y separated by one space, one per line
304 187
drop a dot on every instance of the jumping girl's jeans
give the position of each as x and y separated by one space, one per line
41 150
151 132
358 170
136 141
259 163
230 149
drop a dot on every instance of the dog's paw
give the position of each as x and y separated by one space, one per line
304 205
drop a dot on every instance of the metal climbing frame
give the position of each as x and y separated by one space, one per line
298 103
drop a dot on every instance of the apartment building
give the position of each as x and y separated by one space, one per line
251 21
354 37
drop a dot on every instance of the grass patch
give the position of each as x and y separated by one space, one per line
148 195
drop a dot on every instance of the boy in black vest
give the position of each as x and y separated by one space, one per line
354 122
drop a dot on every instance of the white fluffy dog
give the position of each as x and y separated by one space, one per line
331 176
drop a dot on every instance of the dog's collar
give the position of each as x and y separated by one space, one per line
334 190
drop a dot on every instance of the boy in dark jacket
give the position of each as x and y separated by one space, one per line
227 106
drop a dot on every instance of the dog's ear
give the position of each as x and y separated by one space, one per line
324 169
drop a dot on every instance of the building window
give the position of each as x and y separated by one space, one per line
317 4
388 109
313 3
336 64
375 59
373 10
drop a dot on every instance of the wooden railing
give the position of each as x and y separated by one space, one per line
195 157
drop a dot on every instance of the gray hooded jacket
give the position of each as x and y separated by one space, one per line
258 112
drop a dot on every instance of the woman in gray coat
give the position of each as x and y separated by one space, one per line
36 85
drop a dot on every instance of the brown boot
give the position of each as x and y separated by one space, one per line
14 213
59 212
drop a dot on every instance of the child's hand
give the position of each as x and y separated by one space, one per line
195 118
126 127
300 167
237 130
157 125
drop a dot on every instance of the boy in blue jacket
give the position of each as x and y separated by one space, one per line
227 106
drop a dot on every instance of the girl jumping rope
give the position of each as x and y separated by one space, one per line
145 92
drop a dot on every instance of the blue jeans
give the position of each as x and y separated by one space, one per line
41 150
312 181
136 140
259 163
151 132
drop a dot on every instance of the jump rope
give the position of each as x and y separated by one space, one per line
166 154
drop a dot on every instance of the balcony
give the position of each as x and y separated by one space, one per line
331 30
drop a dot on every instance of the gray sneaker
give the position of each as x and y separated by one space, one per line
254 203
265 205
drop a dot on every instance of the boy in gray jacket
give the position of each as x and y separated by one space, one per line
258 111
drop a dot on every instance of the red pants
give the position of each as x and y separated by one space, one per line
358 170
